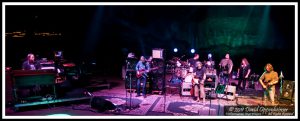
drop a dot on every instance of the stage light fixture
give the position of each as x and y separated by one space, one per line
175 50
192 50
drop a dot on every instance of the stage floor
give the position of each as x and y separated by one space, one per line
153 105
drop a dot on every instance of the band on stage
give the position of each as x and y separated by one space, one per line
197 73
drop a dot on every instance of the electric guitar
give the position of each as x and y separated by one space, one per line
144 73
195 81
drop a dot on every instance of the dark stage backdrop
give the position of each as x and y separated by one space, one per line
106 34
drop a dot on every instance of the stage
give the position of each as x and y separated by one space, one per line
153 105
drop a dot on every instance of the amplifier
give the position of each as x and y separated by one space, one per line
158 53
186 88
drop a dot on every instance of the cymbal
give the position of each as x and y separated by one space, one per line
171 61
176 58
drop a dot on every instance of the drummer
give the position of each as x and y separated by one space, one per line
192 61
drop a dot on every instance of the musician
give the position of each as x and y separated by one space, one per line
198 81
209 65
30 63
268 80
226 68
243 73
192 61
142 68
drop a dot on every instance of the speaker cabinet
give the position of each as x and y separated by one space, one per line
288 89
158 53
158 75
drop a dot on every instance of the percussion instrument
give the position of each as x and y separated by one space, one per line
189 78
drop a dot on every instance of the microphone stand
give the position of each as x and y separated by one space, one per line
130 90
280 89
129 87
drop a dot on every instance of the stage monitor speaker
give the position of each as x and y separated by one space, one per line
130 76
288 89
101 104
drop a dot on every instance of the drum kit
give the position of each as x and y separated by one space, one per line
179 69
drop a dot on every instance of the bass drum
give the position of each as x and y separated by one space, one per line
188 78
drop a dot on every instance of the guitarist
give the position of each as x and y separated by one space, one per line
198 81
142 68
268 80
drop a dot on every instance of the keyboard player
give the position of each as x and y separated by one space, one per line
30 63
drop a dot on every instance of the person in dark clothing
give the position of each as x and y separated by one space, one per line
30 63
226 65
243 73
